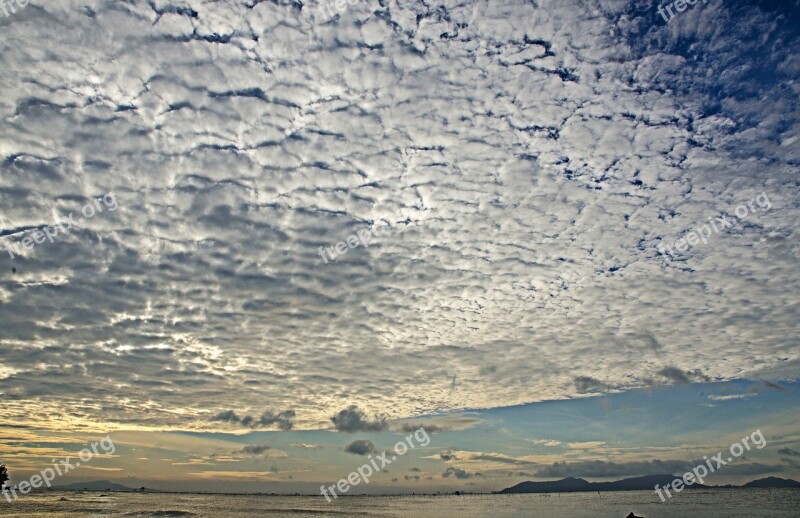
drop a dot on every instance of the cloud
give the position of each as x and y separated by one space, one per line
430 428
790 452
795 463
675 375
360 447
599 468
213 288
752 468
588 445
438 424
255 449
352 420
227 416
546 442
448 455
587 384
459 473
283 420
306 446
498 458
775 386
729 397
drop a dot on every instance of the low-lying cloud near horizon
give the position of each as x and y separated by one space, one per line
528 163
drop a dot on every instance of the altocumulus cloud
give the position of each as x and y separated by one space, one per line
255 449
430 428
283 420
460 473
584 142
448 455
360 447
589 384
306 446
352 420
676 375
599 468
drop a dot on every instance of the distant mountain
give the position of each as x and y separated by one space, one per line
773 482
567 485
571 485
97 485
648 482
639 483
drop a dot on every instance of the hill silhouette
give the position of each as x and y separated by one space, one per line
773 482
572 485
95 485
647 482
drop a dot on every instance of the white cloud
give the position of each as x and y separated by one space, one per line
729 397
534 158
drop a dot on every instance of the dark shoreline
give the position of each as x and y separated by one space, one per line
395 495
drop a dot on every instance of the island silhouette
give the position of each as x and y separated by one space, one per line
647 482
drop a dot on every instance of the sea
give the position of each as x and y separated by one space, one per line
706 503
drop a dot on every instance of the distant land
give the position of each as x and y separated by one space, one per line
566 485
773 482
96 485
648 482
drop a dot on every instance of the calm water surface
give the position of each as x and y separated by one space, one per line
720 503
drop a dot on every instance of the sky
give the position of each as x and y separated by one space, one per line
255 242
